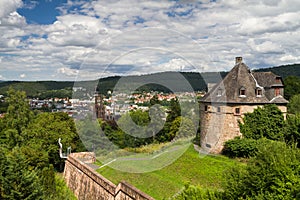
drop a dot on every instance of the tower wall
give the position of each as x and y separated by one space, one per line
219 123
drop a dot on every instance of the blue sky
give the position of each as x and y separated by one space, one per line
76 39
40 11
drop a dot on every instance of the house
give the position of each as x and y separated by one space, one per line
240 91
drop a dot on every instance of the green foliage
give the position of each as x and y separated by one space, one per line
37 89
3 106
272 174
174 111
62 191
284 70
267 122
17 179
181 127
292 130
196 192
292 86
18 113
294 104
46 128
29 150
240 147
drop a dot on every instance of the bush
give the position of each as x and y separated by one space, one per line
273 173
266 122
195 192
240 147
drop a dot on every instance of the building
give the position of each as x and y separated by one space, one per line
99 106
240 91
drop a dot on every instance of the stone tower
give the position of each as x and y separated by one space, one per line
240 91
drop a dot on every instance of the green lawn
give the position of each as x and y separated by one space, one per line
206 171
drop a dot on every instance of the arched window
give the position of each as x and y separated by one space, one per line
242 92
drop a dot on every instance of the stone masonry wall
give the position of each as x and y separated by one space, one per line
218 127
87 184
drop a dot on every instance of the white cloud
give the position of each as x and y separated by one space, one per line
22 75
67 71
9 6
148 36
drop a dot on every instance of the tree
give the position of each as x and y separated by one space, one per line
16 119
174 111
134 125
182 127
47 128
18 113
294 104
29 149
292 129
292 86
272 174
267 122
17 180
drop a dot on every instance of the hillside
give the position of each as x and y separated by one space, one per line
198 82
206 171
283 70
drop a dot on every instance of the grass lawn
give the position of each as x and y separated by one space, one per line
205 171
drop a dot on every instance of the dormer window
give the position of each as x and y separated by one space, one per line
278 79
219 92
242 92
258 92
277 92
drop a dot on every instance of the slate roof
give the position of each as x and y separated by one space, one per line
241 77
268 79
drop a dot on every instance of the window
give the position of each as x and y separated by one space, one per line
258 92
218 109
243 92
237 111
219 93
277 91
206 108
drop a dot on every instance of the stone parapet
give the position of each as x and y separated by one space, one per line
87 184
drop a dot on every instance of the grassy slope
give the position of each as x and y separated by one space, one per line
205 171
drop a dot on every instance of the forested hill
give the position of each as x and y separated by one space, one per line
284 70
198 81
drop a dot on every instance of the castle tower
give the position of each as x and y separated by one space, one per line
240 91
99 106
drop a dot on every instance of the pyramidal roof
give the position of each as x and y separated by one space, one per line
240 86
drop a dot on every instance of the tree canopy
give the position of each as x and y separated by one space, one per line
266 121
29 150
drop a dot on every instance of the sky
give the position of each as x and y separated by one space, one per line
83 40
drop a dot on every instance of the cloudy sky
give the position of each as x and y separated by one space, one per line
74 39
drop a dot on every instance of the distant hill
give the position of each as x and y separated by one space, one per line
35 88
283 70
198 81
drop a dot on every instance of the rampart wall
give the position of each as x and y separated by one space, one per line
87 184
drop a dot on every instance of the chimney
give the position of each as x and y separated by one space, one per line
238 60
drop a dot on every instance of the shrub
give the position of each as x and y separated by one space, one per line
273 173
266 122
240 147
195 192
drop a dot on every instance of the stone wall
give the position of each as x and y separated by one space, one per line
218 126
87 184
